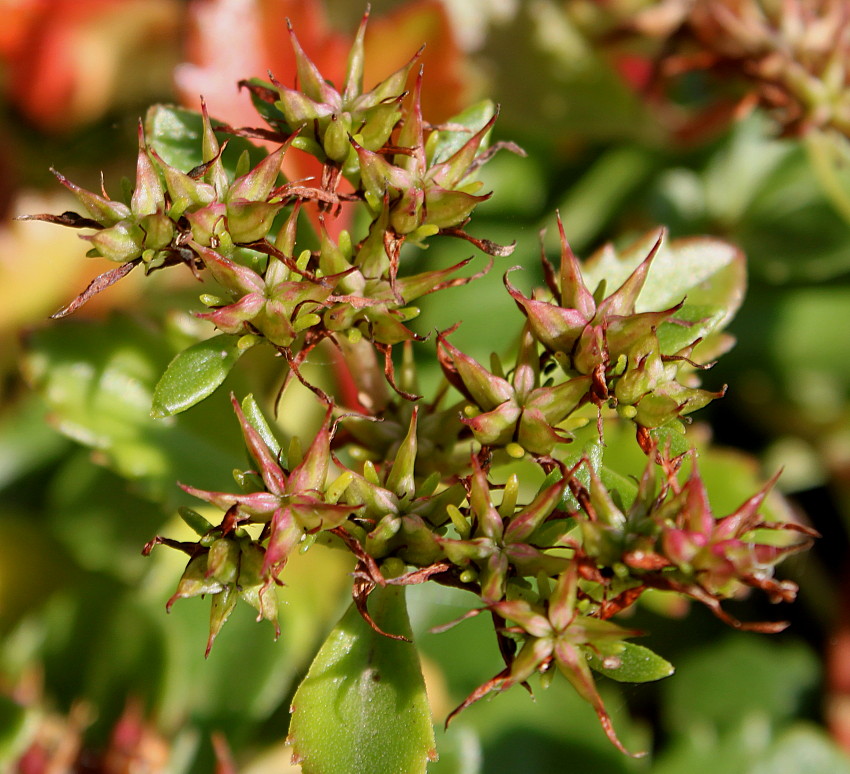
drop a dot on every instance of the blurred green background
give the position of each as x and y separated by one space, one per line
95 677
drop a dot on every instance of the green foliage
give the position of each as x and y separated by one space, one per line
532 476
194 374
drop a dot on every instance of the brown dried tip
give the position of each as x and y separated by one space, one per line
98 284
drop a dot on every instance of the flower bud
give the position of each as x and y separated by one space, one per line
250 221
120 243
159 231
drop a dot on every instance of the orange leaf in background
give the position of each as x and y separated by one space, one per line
68 60
391 39
228 40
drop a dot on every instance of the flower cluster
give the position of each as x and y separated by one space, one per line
401 483
224 218
788 57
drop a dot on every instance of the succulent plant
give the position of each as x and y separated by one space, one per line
409 488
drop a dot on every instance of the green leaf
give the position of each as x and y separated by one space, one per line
101 522
194 374
704 270
637 665
362 708
27 442
97 381
728 680
803 748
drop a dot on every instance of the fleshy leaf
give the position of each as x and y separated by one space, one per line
632 664
194 374
362 708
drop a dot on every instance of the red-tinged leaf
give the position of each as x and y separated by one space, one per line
462 552
105 211
312 472
120 243
523 525
485 245
447 209
148 196
418 285
310 79
746 516
497 683
562 601
555 403
451 172
98 284
574 293
489 520
269 467
286 534
522 613
401 479
573 665
496 427
231 275
315 514
378 175
354 67
258 504
195 582
232 318
485 389
553 326
256 185
622 301
536 434
411 134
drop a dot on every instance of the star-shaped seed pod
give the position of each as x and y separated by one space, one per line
171 212
400 516
555 634
668 538
519 412
498 541
604 337
292 503
226 564
418 192
714 558
326 117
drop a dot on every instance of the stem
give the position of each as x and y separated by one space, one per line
823 157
